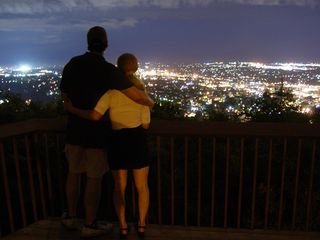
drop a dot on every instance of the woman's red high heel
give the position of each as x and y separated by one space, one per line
123 232
140 230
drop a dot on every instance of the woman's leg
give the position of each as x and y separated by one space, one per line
141 182
120 181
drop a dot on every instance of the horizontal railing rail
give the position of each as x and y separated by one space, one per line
176 127
218 174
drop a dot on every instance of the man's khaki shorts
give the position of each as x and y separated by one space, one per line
92 161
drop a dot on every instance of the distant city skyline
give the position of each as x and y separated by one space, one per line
169 31
231 87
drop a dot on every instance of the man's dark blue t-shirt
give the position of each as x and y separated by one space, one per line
84 80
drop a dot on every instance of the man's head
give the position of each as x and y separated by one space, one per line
97 39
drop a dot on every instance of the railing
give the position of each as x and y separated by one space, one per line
226 175
31 169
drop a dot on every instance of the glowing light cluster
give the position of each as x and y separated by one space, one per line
283 66
24 68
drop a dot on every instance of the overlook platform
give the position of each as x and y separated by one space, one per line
208 180
51 229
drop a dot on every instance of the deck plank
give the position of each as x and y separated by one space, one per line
52 230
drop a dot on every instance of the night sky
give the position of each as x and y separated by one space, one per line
43 32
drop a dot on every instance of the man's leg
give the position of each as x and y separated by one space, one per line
96 168
92 198
92 228
74 156
72 192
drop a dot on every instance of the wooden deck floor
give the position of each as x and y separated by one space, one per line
51 229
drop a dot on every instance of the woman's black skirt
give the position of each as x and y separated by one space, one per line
128 149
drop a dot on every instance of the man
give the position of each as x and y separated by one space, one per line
85 79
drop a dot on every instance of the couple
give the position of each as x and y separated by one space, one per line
86 86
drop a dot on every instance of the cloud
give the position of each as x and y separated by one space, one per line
307 3
57 25
60 15
62 6
192 3
56 6
23 24
29 7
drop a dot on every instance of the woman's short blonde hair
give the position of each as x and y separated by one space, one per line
127 61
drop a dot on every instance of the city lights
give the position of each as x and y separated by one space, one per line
193 87
24 68
31 83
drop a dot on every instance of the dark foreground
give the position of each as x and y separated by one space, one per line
51 229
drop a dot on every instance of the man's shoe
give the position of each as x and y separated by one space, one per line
96 230
68 222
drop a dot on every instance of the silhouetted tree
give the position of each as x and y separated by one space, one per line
215 113
277 106
14 108
167 110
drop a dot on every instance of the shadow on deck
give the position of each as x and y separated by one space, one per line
51 229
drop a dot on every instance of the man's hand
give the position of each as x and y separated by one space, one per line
67 104
138 96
